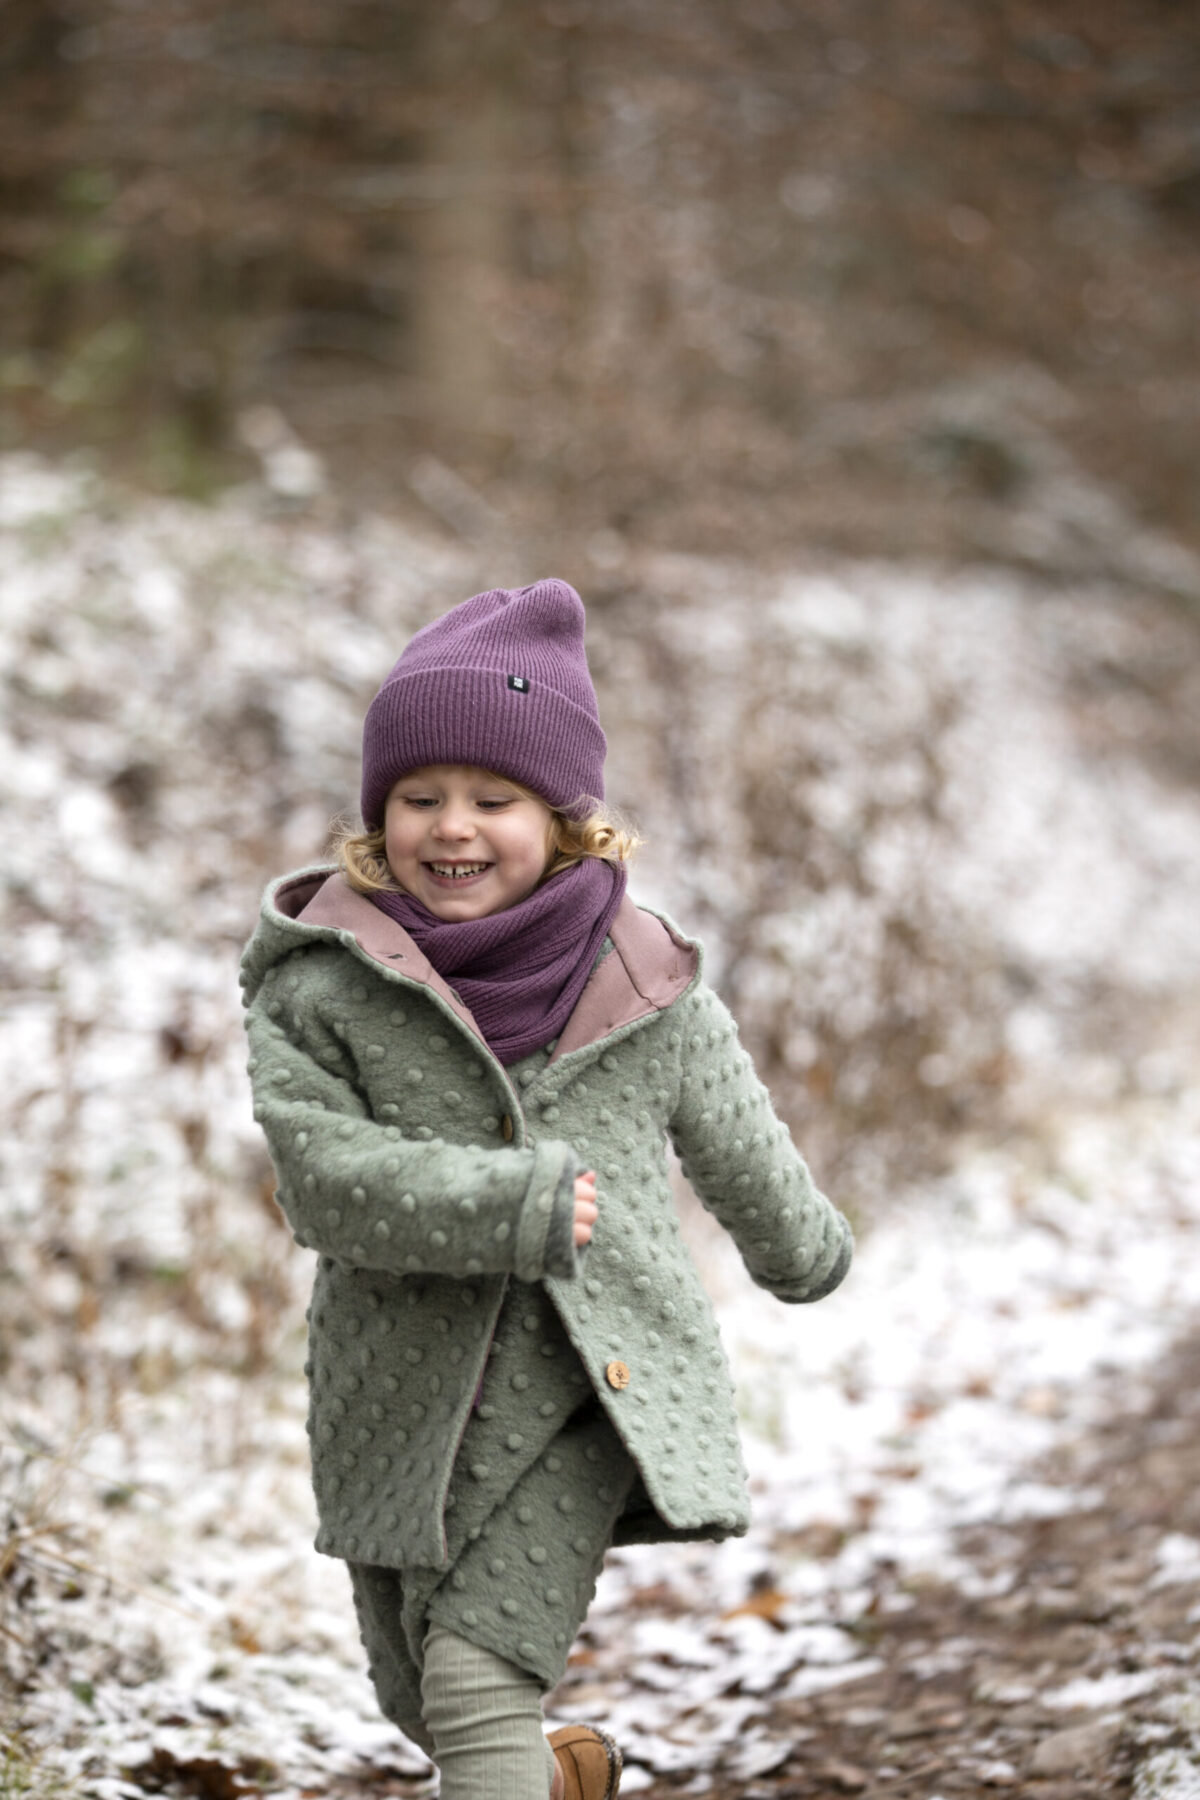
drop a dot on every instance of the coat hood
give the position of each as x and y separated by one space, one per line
653 962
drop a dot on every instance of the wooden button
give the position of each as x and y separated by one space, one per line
506 1126
617 1374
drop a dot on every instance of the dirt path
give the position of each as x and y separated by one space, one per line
1062 1668
977 1693
1101 1611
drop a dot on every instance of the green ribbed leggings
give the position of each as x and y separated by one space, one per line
481 1722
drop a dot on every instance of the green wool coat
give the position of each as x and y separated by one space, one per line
427 1179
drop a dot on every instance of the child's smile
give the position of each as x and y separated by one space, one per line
464 842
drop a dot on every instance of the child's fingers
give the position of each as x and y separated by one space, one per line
586 1210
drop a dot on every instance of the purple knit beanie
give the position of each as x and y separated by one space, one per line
500 682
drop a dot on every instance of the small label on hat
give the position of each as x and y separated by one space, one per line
520 683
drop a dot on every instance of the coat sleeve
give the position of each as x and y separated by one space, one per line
364 1194
742 1163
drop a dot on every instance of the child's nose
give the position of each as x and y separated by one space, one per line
454 822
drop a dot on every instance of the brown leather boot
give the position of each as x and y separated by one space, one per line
588 1760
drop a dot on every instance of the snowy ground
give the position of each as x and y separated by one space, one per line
184 688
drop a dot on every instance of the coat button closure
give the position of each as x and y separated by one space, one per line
617 1374
506 1127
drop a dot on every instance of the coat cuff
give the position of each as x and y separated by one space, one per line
546 1228
797 1293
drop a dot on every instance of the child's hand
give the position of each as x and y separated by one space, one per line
586 1210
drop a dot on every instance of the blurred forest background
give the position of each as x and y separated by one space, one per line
846 355
861 275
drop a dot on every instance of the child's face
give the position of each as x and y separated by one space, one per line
463 843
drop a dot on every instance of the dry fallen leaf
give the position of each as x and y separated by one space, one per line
767 1604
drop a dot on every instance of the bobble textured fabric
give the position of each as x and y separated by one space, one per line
522 1571
500 682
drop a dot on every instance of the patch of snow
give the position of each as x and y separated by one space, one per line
1178 1559
1099 1693
1168 1775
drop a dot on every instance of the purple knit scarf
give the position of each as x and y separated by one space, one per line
520 971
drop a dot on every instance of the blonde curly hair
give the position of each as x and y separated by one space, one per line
600 832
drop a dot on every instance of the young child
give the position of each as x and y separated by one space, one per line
468 1049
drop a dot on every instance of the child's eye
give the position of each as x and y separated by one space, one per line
417 800
495 805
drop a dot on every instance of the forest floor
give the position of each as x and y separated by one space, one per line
975 1558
